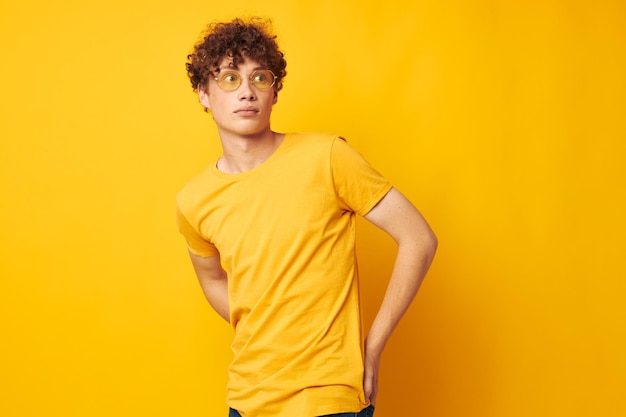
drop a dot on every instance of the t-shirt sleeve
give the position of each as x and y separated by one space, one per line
358 185
197 244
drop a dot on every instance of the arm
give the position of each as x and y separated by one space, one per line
416 248
213 281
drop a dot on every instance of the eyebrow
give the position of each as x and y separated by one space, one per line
228 68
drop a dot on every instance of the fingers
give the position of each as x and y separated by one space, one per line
370 384
367 386
371 364
374 394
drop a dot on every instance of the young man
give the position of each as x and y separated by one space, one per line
270 231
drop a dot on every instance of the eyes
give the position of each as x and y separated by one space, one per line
231 80
258 77
233 77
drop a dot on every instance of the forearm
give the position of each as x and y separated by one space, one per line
214 282
216 292
416 248
412 263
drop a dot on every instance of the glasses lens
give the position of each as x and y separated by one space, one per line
263 79
228 80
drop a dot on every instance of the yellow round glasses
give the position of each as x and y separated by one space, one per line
262 79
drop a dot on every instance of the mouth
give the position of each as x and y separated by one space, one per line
247 111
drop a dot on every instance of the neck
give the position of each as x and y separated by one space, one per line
243 153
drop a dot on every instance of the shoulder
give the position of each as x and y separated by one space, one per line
313 142
314 137
324 145
195 189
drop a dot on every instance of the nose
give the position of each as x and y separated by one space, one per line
245 91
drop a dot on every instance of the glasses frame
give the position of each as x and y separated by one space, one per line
251 78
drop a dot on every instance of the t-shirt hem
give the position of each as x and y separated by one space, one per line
375 200
204 254
327 409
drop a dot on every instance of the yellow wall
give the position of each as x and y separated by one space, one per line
502 120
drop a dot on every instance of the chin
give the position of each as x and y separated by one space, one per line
251 131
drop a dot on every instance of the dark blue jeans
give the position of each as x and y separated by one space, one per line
366 412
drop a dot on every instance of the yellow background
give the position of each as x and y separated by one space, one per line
502 120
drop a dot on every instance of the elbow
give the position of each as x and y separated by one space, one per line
422 244
431 244
426 244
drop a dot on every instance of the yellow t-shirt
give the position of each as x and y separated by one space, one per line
285 232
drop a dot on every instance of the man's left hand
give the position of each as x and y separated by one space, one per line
371 365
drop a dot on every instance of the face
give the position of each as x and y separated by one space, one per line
244 111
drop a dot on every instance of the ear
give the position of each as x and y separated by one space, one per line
203 95
275 97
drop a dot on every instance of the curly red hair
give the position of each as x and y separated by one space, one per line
237 40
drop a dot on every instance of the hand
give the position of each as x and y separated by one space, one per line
371 364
